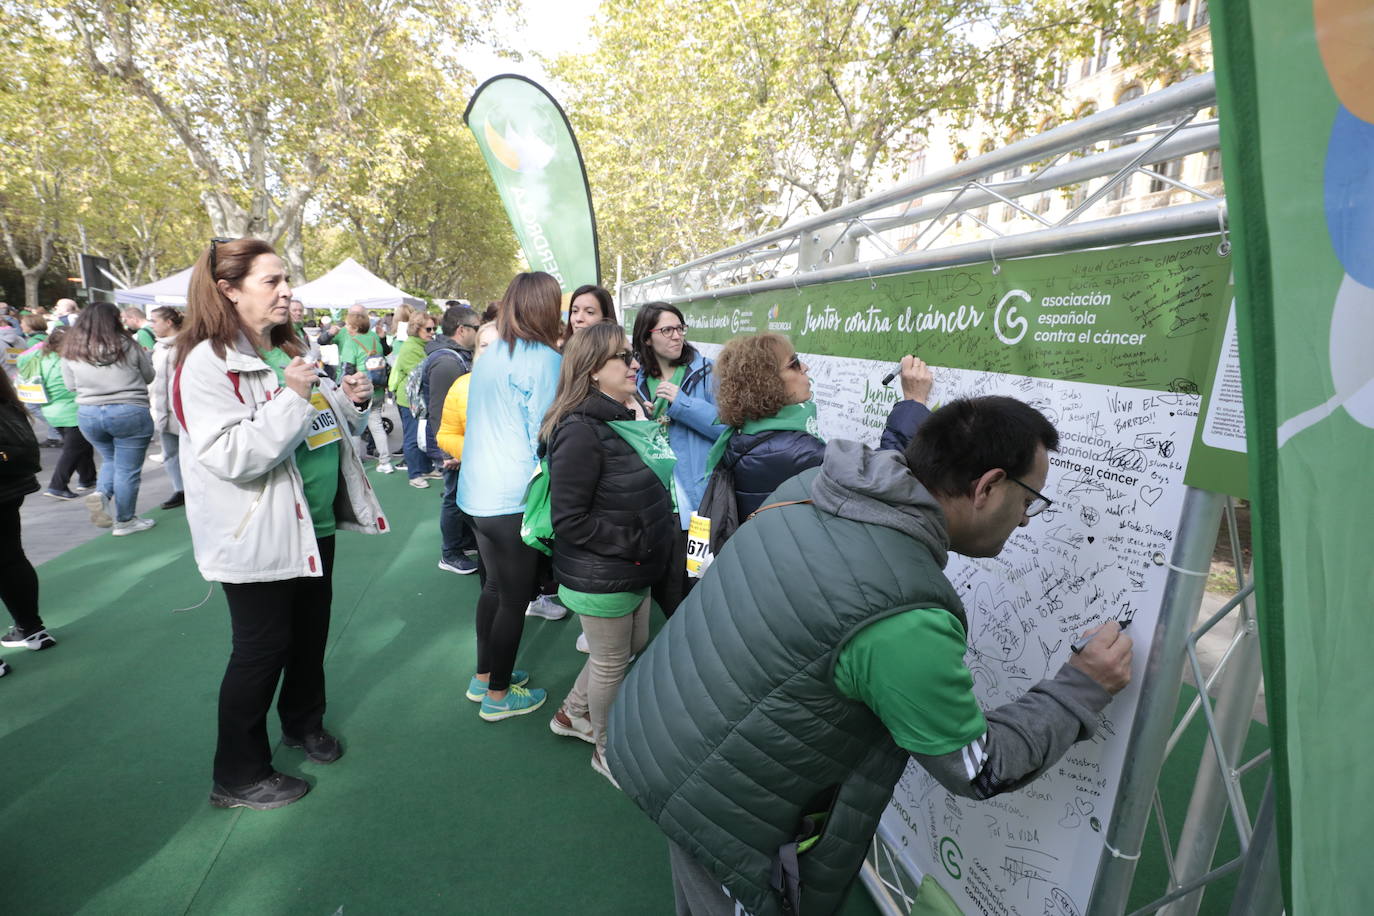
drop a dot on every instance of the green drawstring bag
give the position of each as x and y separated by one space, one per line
536 527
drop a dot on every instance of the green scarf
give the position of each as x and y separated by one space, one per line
661 404
650 442
799 417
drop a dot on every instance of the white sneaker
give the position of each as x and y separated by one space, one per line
418 483
385 467
544 606
599 764
132 526
582 644
571 726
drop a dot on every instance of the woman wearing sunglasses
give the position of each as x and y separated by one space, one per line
613 520
676 380
764 398
411 352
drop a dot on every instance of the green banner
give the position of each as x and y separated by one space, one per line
1144 316
537 166
1297 110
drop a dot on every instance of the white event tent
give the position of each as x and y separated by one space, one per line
352 284
167 291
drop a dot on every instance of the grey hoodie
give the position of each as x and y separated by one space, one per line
1024 737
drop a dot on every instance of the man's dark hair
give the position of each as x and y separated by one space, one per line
455 316
965 439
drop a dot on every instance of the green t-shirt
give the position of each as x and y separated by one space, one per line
909 669
611 604
356 348
145 337
319 467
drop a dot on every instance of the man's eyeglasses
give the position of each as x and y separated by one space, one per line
625 356
213 243
1039 504
470 327
676 330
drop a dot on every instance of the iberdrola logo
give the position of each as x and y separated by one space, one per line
774 312
519 151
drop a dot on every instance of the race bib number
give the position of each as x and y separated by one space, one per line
12 355
324 428
31 392
699 554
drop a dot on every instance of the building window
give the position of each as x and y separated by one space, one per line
1008 213
1200 15
1086 70
1171 168
918 163
1104 49
1152 17
1181 13
1213 172
1042 204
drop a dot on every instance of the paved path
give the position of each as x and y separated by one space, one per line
52 527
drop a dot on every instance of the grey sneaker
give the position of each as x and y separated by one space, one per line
99 507
418 483
544 606
459 564
132 526
19 638
276 791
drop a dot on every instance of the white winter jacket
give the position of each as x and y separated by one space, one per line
245 500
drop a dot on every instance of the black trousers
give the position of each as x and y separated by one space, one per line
512 581
279 632
18 581
77 457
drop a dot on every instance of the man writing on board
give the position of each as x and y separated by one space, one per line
767 724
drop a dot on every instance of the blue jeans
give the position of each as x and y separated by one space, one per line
417 462
171 458
120 433
453 522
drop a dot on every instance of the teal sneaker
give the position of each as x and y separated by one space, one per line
477 691
517 702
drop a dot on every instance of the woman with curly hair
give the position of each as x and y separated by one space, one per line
764 397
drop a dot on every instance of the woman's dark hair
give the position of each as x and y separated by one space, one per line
966 438
603 299
644 326
167 313
749 383
98 337
210 315
8 396
531 310
53 343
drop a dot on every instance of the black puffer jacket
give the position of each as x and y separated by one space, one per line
613 520
19 460
762 461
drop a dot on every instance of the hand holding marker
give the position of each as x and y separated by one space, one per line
1079 644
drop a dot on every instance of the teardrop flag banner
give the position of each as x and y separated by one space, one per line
537 165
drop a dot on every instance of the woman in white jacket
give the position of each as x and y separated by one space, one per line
271 473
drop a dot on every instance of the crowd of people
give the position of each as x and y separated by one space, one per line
764 726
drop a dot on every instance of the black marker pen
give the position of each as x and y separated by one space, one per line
1079 644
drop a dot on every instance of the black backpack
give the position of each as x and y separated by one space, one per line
717 515
19 460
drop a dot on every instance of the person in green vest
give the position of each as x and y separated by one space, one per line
611 505
420 330
40 377
765 727
34 328
366 350
137 323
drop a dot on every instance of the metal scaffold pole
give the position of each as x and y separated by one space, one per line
1161 682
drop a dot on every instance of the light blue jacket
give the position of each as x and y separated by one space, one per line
692 432
507 399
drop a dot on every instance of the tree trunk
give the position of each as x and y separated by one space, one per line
31 278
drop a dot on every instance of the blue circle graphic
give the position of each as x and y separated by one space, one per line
1348 192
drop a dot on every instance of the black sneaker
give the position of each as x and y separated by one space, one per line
276 791
177 499
321 747
459 564
18 638
54 493
4 668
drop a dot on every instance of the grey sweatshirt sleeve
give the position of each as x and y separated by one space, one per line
1024 738
145 363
